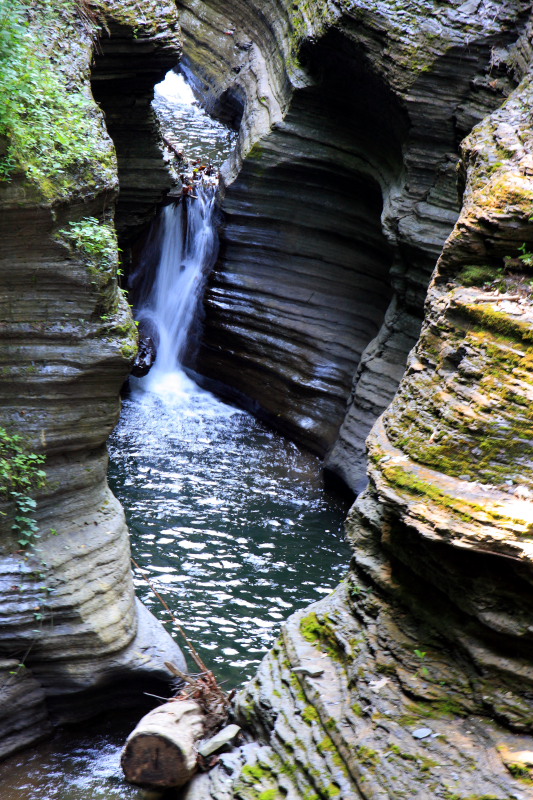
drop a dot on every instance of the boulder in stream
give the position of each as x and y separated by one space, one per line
145 358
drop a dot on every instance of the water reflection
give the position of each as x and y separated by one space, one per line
229 520
74 765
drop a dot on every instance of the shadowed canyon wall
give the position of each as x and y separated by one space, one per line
72 635
338 101
133 54
413 679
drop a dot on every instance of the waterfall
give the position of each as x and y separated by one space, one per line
181 247
187 245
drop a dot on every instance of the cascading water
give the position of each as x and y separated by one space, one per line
218 505
167 309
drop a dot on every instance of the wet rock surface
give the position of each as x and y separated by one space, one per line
378 721
351 119
72 637
23 716
145 358
413 678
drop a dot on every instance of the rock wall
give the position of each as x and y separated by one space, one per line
413 679
72 636
351 120
125 69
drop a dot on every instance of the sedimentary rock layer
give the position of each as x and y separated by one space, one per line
351 118
357 702
71 634
414 678
451 457
123 75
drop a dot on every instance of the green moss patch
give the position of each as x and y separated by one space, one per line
322 632
310 715
405 480
489 318
476 275
484 432
440 709
367 757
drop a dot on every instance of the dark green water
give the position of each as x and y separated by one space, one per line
232 524
229 520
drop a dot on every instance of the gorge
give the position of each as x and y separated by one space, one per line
382 148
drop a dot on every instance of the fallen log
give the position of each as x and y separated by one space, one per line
162 752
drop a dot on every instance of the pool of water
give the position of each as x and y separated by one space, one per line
229 520
77 764
231 523
187 127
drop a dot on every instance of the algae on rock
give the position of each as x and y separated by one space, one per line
431 629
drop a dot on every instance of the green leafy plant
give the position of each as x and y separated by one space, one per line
96 240
50 129
7 167
20 666
422 670
526 256
20 475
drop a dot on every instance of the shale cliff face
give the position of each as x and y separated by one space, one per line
413 679
351 118
71 635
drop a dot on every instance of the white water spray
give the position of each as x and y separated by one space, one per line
185 241
174 89
188 246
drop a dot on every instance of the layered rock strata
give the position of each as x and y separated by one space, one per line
125 69
351 118
413 679
73 639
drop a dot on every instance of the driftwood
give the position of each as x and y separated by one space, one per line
162 750
204 690
497 298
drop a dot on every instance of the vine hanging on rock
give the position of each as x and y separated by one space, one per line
20 476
